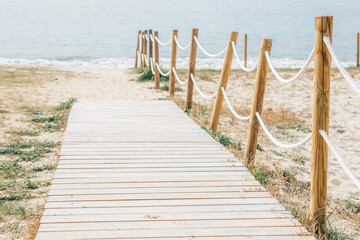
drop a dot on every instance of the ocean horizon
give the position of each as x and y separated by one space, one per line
103 33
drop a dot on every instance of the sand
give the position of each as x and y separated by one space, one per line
296 98
284 104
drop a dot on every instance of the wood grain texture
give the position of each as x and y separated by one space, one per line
137 48
156 58
192 61
150 46
320 120
258 100
173 64
215 117
130 170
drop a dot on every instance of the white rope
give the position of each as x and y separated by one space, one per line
205 52
199 91
275 141
239 62
179 45
340 66
147 38
231 107
161 72
138 54
163 43
297 75
152 66
152 38
177 78
145 58
339 158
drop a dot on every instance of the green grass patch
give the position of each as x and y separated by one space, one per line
44 168
52 119
166 88
25 133
15 196
147 76
352 205
11 170
28 151
263 175
296 127
66 105
14 209
222 139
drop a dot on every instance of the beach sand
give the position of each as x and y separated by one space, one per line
285 105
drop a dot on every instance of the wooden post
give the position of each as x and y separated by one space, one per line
223 82
137 49
190 84
173 64
156 49
145 47
150 47
320 120
357 49
245 50
142 50
258 100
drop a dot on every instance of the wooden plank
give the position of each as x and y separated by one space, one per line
165 209
165 202
156 196
144 170
157 185
208 232
164 217
239 223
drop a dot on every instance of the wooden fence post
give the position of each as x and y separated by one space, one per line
173 64
150 47
156 52
145 47
142 50
357 48
137 49
258 100
320 120
245 50
223 82
192 61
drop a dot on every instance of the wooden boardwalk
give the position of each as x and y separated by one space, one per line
145 170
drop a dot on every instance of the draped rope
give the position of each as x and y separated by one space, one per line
297 75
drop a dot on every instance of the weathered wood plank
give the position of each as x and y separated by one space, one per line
144 170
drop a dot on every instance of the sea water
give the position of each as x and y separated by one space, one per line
103 33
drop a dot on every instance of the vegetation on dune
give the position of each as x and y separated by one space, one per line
25 161
147 75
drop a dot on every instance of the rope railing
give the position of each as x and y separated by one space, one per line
199 91
264 63
239 62
152 66
346 75
275 141
179 45
339 158
232 110
297 75
143 56
205 52
161 72
177 77
163 43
